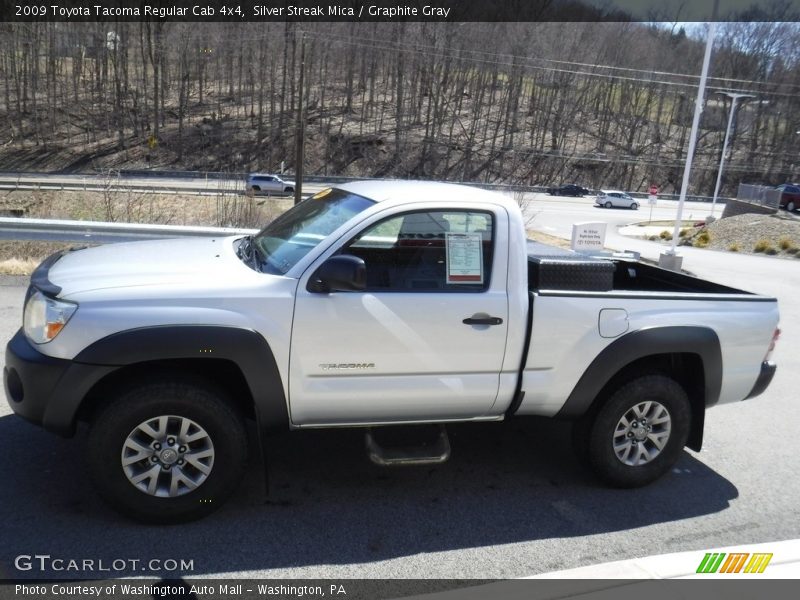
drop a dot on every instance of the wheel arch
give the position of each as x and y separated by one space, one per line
690 355
227 356
217 373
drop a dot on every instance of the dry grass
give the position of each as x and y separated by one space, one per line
546 238
223 210
18 266
21 258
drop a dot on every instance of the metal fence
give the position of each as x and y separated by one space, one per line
759 194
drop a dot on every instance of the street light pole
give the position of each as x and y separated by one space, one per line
734 97
670 259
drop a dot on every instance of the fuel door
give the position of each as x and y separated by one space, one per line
612 322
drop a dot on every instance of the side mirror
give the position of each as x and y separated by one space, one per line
342 273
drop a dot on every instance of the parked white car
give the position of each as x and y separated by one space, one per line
609 198
262 182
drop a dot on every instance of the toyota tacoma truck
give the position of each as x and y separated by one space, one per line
378 305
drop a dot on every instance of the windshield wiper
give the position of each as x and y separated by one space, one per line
248 251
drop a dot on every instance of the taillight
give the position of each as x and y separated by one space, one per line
775 337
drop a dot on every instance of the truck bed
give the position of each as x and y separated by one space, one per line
552 269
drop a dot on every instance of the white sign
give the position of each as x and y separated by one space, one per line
464 257
652 198
588 236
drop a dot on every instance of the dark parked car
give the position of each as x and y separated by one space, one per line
569 189
790 196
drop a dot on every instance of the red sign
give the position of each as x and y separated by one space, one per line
653 190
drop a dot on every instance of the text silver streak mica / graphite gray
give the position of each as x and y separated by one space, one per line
376 305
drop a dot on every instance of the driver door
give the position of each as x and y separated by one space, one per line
400 350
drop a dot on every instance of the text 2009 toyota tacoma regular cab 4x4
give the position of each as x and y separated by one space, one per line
371 305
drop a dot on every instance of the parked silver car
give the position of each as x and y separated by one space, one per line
609 198
262 182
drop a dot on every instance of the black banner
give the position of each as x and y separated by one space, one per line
418 589
393 10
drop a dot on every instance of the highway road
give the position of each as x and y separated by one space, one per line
197 185
511 502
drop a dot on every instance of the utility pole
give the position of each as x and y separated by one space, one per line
301 126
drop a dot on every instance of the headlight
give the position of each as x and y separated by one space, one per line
46 317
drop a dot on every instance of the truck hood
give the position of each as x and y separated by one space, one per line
159 262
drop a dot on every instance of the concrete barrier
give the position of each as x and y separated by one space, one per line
737 207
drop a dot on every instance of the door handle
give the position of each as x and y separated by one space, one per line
483 321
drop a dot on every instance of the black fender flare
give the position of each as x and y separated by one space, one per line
642 343
244 347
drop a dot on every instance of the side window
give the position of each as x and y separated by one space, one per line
428 251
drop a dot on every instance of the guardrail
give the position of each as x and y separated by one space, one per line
100 232
7 184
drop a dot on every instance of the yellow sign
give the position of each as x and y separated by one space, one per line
322 194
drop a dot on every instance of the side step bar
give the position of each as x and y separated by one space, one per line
425 453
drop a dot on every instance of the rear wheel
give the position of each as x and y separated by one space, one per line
167 452
790 206
607 204
638 434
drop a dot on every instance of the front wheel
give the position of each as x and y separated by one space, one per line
634 206
167 452
638 434
790 206
607 205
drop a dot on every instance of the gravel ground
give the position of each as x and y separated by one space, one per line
777 234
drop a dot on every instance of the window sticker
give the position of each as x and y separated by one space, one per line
464 257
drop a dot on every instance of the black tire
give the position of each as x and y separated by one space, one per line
593 436
289 190
256 188
607 204
197 401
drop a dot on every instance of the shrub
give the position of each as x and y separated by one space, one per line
734 247
785 243
683 233
653 238
702 239
771 250
793 250
665 235
761 246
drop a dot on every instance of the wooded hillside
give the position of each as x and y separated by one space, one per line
603 104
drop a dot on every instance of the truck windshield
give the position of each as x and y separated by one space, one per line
282 243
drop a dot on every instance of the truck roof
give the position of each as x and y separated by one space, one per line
399 191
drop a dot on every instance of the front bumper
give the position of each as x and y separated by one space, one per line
764 379
44 390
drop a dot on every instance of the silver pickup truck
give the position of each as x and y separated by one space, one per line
372 305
